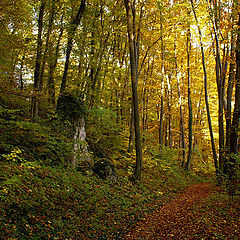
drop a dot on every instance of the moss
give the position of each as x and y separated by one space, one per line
70 108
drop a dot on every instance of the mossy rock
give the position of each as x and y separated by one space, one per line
70 108
105 169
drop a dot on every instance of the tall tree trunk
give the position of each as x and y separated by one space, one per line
169 93
144 113
165 131
21 72
198 120
131 133
190 118
220 87
52 67
182 137
228 114
162 88
236 113
117 106
133 48
95 70
36 86
73 27
161 121
50 24
206 93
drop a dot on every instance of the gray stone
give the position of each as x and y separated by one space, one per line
105 169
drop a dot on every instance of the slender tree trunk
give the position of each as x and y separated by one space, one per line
190 118
169 93
117 106
229 97
36 86
198 121
228 114
162 88
144 112
206 93
166 132
52 67
71 33
220 87
236 113
131 133
21 72
161 122
95 71
182 137
50 24
145 102
134 72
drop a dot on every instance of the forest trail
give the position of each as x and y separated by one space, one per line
182 218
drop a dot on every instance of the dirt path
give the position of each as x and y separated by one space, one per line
179 219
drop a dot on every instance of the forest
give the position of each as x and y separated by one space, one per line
119 119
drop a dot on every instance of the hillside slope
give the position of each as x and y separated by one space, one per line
43 197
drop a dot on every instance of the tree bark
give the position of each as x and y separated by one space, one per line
21 72
161 122
73 27
131 132
134 72
220 88
52 67
228 114
236 113
229 98
169 93
206 94
181 137
162 89
36 86
190 118
50 24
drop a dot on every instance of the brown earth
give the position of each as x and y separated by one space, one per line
189 216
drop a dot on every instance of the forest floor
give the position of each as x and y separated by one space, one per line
195 213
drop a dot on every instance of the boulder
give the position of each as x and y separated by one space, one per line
105 169
71 109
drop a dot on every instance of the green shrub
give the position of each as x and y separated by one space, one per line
38 142
103 132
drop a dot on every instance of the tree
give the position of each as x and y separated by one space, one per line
44 57
15 27
190 117
53 58
162 85
71 32
236 113
206 92
35 98
182 137
134 56
220 85
228 113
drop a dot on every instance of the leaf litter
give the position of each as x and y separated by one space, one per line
193 214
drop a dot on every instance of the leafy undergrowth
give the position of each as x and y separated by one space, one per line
221 215
44 142
42 197
43 202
